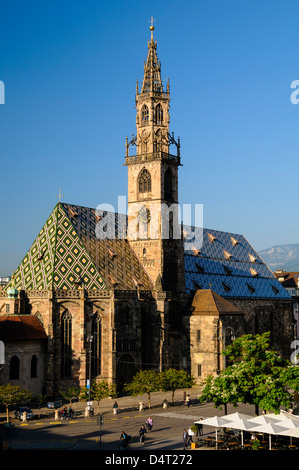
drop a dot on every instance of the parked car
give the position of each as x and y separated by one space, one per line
21 409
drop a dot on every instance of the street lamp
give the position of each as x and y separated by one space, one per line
89 339
221 336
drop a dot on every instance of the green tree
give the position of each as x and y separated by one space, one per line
173 380
98 391
102 389
256 377
70 393
13 395
145 381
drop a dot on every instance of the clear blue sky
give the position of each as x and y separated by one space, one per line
70 71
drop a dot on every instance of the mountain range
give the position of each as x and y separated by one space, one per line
284 257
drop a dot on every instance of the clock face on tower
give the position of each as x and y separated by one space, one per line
144 215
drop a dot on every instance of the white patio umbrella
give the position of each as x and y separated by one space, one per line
264 419
243 425
237 415
287 420
216 422
269 428
286 414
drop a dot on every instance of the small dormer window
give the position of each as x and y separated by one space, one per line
251 289
226 287
227 255
275 290
227 270
234 241
199 268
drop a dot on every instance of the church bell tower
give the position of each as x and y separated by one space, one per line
154 229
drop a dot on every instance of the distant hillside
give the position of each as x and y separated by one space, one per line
284 257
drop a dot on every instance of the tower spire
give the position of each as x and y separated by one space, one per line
152 68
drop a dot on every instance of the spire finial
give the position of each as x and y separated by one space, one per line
152 28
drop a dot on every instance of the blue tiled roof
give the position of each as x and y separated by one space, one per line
228 264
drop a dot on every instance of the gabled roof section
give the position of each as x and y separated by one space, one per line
207 302
21 328
229 265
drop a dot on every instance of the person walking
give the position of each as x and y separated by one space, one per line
190 435
188 400
115 408
142 432
200 428
185 439
64 413
149 423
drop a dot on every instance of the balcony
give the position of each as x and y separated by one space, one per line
152 156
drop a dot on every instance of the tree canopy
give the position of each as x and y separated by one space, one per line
173 379
258 376
145 381
13 395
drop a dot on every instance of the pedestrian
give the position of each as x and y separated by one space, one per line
142 432
188 400
115 407
190 435
71 412
149 423
64 413
185 438
200 428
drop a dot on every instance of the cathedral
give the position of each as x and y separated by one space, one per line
101 295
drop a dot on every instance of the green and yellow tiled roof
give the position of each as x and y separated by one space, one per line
66 254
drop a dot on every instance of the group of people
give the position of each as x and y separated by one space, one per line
188 435
125 438
66 412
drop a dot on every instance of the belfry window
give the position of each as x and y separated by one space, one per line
144 114
159 114
168 185
145 182
66 344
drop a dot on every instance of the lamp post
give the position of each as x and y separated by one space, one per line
89 340
221 336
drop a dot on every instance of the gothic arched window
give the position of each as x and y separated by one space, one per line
145 182
14 368
96 345
168 184
144 114
159 114
66 344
